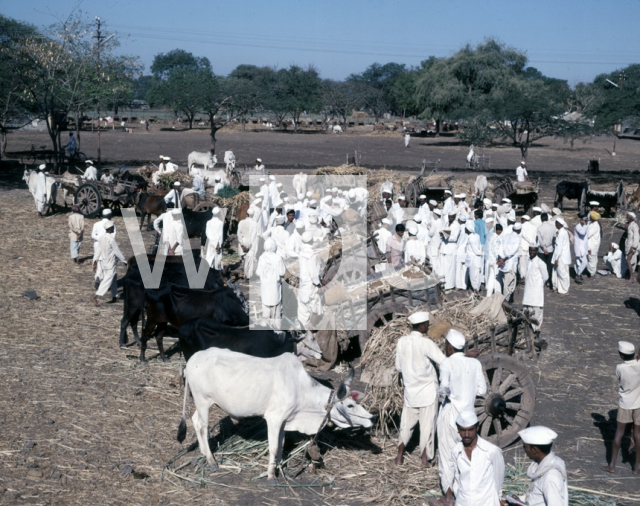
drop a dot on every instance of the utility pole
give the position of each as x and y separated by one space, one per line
99 38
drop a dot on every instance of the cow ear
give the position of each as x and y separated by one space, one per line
356 396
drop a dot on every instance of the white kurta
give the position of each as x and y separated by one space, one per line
448 256
248 237
561 254
308 299
173 234
91 174
414 250
435 245
537 275
271 270
173 196
581 247
294 243
494 251
614 262
40 194
474 260
214 232
461 258
107 256
447 206
593 240
477 482
548 482
381 240
628 374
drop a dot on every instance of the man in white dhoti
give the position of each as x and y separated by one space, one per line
528 236
535 278
546 237
477 467
294 243
407 138
309 304
547 472
76 232
107 256
461 381
274 193
90 172
474 257
174 196
382 235
614 261
173 234
248 243
271 271
40 194
561 259
435 243
632 245
447 206
461 254
416 358
96 232
508 262
594 236
494 250
215 238
414 249
581 247
449 235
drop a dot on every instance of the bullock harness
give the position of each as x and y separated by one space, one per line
328 407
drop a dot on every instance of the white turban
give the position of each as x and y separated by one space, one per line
270 245
467 419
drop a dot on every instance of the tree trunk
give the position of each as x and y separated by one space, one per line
212 133
3 143
78 120
437 128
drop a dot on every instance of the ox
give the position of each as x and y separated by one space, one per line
569 190
176 305
210 176
278 389
29 177
337 129
230 160
147 205
480 187
634 199
134 290
204 333
208 160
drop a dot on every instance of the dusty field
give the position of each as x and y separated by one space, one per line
76 410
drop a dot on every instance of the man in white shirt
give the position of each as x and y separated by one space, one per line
271 271
477 466
217 186
461 254
546 237
474 257
461 381
166 167
547 472
107 256
274 193
197 184
613 260
450 236
215 238
106 177
628 374
561 259
174 195
632 245
521 172
528 237
416 356
294 243
581 248
173 234
90 172
494 251
447 206
259 165
414 249
40 192
594 236
536 221
435 243
264 192
309 303
279 235
507 262
535 278
382 235
248 242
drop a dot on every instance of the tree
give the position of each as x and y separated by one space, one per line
383 78
250 85
220 97
163 63
611 105
342 98
298 90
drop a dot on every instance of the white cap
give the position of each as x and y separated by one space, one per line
351 193
457 196
422 197
508 201
215 210
626 348
272 177
176 212
462 218
307 237
633 215
299 224
256 202
90 162
262 179
495 204
42 166
486 201
401 197
309 194
615 245
270 245
594 203
470 226
313 202
177 183
334 190
250 211
279 220
217 179
419 317
561 221
453 212
413 230
517 226
278 184
386 221
556 211
511 215
523 162
278 203
106 212
526 217
433 203
328 190
417 218
467 419
438 212
463 195
166 158
456 339
108 224
449 192
537 209
537 435
259 160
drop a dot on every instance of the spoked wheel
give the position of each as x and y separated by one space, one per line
89 200
114 205
510 400
204 206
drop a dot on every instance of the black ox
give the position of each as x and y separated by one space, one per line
204 333
569 190
176 305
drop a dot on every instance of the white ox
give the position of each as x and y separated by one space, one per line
208 160
278 389
210 176
230 160
300 184
337 129
480 187
29 177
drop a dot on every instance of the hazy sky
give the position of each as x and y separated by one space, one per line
568 39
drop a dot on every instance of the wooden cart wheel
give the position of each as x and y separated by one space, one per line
379 316
89 200
115 205
509 402
204 206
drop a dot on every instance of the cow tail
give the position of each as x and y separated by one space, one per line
182 428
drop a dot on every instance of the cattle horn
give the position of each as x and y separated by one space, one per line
345 385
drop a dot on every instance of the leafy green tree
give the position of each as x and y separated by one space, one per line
164 63
612 104
383 78
298 90
342 98
250 86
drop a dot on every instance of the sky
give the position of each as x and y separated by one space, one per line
567 39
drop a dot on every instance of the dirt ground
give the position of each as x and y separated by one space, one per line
76 410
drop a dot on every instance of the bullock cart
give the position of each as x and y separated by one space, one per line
92 196
432 187
524 195
609 200
498 332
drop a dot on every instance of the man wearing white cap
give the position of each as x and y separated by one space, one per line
106 259
271 271
477 466
294 243
397 210
197 185
474 257
279 235
535 278
461 380
508 261
536 221
561 259
259 165
447 206
613 260
581 247
546 237
166 167
414 249
278 206
529 238
215 238
90 172
547 472
40 191
309 304
631 245
521 172
450 235
416 357
264 191
462 206
274 193
628 374
594 237
174 195
435 242
173 234
461 254
248 242
494 250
